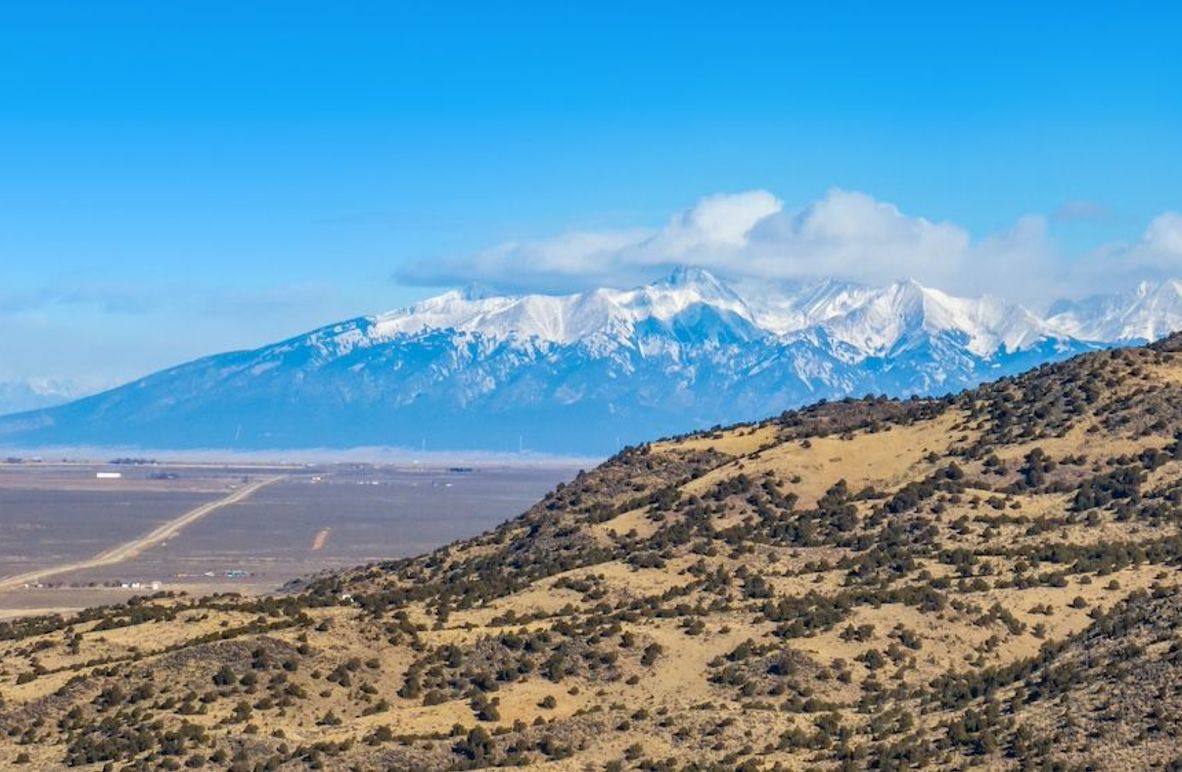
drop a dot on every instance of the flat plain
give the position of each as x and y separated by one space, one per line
230 536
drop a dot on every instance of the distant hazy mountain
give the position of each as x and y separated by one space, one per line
17 396
587 372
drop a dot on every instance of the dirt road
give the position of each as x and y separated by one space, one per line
321 539
130 549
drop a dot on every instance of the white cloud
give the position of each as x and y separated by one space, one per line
1022 263
716 224
1163 238
1155 255
851 235
845 234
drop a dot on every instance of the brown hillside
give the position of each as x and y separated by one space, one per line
981 580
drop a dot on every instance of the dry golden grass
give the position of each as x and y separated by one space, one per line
883 459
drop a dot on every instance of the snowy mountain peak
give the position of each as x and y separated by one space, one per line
690 277
1147 312
477 291
873 321
559 318
868 321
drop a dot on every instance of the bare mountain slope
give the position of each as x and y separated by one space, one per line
986 579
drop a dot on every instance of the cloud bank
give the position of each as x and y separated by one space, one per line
845 234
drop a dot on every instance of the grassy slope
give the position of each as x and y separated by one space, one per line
987 579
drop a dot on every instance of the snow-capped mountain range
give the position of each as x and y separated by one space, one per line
587 372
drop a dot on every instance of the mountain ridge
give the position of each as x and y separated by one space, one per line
587 372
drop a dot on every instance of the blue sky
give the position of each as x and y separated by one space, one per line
182 178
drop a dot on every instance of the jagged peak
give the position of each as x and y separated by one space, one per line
871 320
690 276
698 282
1146 312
